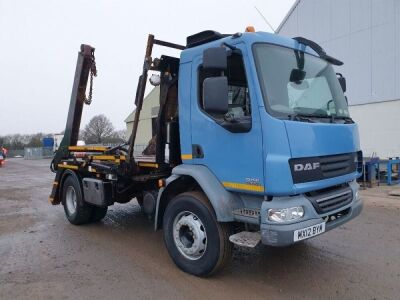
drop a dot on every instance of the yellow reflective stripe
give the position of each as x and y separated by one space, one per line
107 157
103 157
150 165
87 148
243 186
186 156
68 167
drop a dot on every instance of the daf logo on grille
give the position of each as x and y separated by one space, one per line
306 167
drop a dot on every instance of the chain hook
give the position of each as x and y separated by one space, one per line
93 73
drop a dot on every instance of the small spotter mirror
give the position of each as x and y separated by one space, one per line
155 80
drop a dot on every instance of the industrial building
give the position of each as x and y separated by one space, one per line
365 35
147 120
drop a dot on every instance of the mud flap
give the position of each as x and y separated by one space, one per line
54 198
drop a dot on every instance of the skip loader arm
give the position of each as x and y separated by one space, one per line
84 66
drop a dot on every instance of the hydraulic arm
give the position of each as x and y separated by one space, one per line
85 65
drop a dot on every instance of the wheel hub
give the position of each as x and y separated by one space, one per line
189 235
70 200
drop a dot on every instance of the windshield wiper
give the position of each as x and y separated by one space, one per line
320 51
308 117
301 117
347 120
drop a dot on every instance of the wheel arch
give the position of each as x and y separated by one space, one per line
186 178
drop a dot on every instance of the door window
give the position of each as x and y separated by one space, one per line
238 91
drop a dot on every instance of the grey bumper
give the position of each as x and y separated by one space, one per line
274 234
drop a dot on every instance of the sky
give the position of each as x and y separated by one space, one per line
39 42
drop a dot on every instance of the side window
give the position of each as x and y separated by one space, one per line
238 92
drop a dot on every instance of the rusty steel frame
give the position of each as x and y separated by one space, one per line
147 65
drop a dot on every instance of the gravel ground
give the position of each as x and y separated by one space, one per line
42 256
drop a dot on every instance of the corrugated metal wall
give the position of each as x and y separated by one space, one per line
365 34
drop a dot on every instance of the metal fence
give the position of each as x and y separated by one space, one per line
38 152
45 152
14 153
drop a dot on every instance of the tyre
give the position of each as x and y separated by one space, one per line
98 213
197 243
77 211
139 199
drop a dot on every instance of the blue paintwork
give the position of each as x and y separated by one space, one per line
390 164
221 147
316 139
48 142
262 153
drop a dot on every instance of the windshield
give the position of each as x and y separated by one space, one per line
296 83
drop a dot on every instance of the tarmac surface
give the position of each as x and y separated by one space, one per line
42 256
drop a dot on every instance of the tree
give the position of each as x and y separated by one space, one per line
98 130
35 140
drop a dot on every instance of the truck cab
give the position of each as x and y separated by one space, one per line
253 144
275 131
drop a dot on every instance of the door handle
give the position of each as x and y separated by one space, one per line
197 151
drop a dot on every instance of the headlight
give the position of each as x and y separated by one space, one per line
285 214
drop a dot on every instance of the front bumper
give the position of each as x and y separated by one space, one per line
275 234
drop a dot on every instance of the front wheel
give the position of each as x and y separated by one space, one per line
196 241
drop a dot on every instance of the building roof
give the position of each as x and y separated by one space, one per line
155 92
295 4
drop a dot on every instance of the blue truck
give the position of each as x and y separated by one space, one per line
253 144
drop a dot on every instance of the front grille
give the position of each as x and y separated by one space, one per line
331 198
306 169
336 165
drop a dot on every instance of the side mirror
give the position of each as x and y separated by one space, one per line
215 58
342 81
297 76
215 95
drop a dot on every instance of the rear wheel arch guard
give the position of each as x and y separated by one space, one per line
185 178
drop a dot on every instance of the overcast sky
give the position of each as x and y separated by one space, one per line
39 41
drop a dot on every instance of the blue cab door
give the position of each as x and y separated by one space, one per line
236 159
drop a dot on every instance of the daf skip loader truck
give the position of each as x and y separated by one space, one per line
253 144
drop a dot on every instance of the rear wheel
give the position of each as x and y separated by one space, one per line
77 211
197 243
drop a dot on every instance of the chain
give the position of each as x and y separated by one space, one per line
93 73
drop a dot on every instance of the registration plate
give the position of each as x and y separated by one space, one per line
308 232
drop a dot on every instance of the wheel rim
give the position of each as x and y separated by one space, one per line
70 200
189 235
